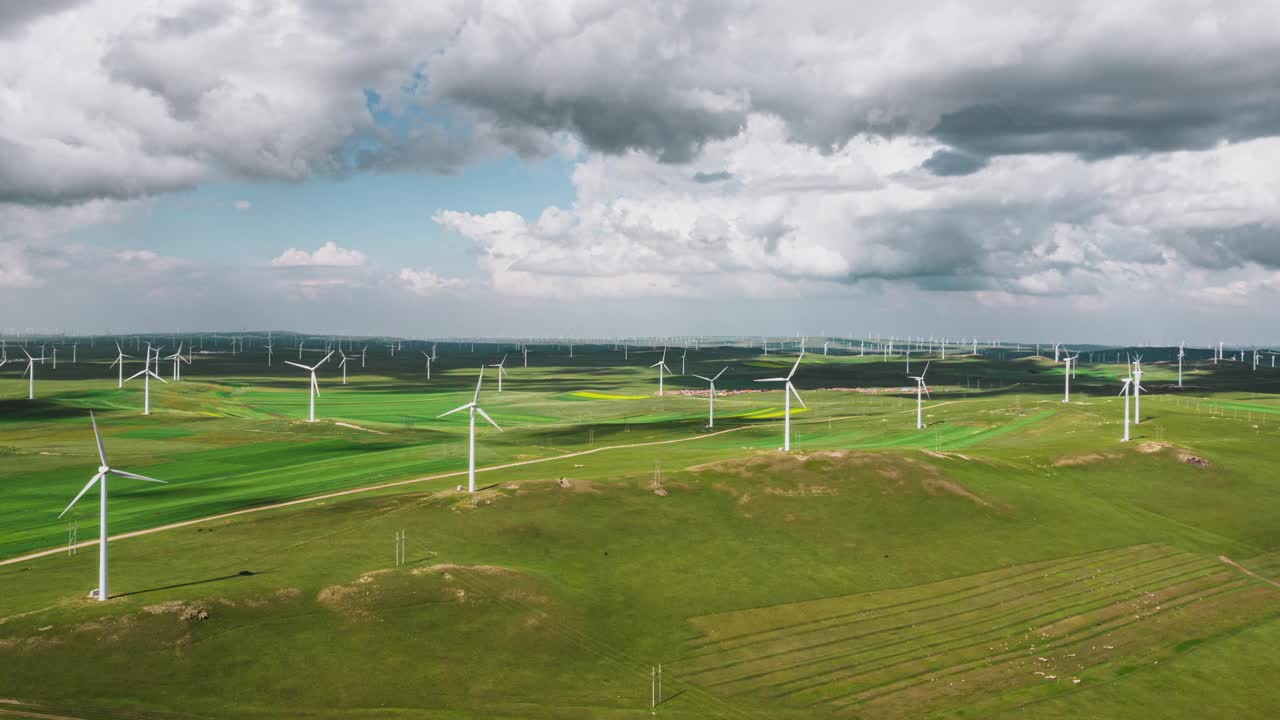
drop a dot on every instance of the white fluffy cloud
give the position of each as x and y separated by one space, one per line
327 255
1002 150
426 282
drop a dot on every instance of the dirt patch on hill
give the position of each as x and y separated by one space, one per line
831 473
1148 448
1077 460
1193 460
942 486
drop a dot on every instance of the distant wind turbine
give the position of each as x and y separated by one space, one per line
315 386
119 363
662 365
101 593
146 374
1070 360
787 391
920 388
30 372
502 371
474 407
428 357
711 396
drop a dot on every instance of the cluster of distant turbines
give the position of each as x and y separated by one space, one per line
1132 388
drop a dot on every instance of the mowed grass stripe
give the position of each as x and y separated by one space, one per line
998 597
905 633
1232 597
1096 623
986 582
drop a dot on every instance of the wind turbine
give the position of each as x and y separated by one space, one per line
662 365
502 371
921 389
270 350
683 355
787 391
1125 392
177 363
474 407
343 365
101 593
711 408
1181 354
362 354
120 356
31 372
147 374
428 357
315 386
1070 360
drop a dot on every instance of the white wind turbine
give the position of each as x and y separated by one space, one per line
474 407
1181 354
31 373
502 371
662 365
146 374
343 365
787 391
428 357
315 386
270 350
177 363
119 363
683 355
364 350
1128 382
921 389
1070 360
101 593
711 407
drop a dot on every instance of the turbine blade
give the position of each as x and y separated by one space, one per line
777 379
166 382
102 452
792 388
315 386
135 476
704 378
297 365
476 398
457 409
717 377
794 367
92 480
485 415
137 374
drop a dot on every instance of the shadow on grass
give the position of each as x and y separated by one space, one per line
242 573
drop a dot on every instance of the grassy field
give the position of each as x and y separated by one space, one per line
1011 559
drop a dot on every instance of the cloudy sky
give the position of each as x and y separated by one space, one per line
1091 171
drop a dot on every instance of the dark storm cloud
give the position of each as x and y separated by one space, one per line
1233 247
945 163
712 177
14 14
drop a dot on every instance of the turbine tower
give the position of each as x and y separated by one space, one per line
315 386
30 372
502 371
921 388
1070 360
711 407
662 365
101 593
1183 353
146 373
788 390
1125 392
474 407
